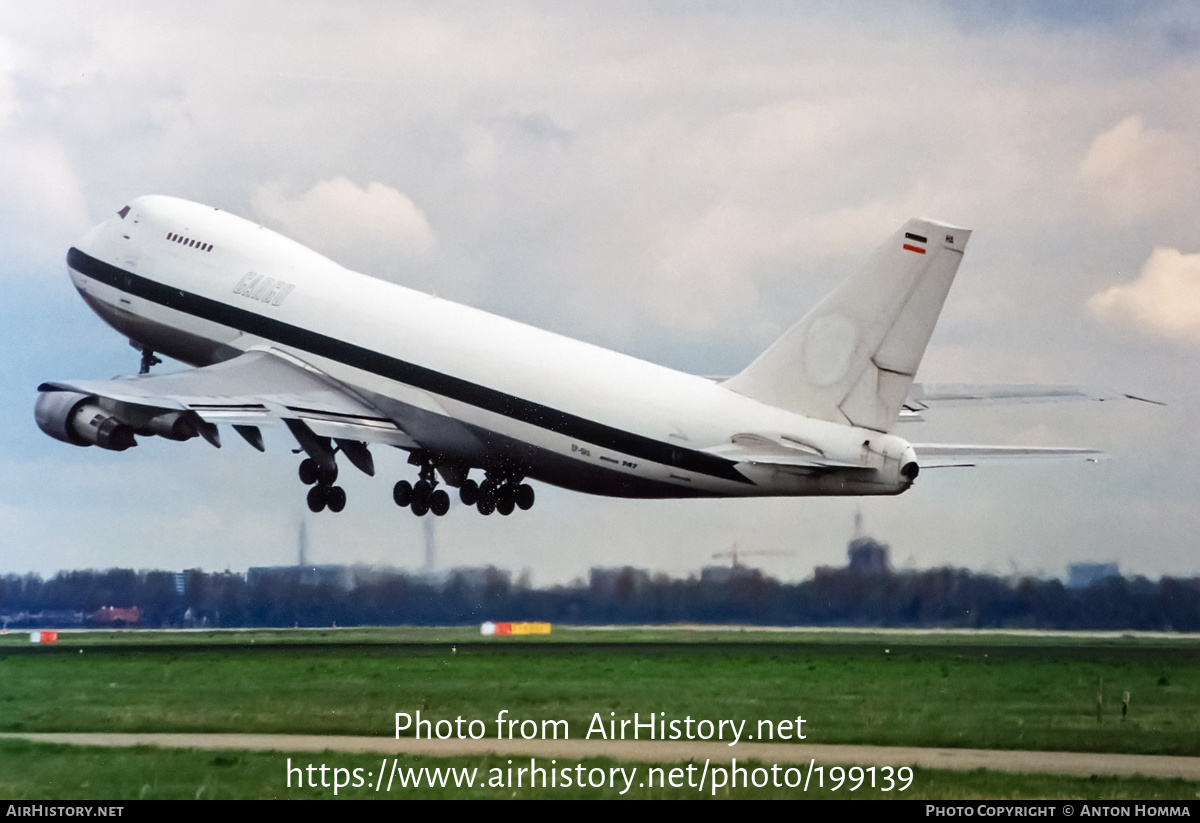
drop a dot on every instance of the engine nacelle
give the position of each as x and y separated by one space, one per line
172 425
79 419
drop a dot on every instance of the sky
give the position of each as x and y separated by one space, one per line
676 181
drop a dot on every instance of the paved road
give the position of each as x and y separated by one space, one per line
648 751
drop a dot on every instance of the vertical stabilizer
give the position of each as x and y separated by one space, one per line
852 358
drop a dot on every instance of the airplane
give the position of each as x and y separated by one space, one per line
276 333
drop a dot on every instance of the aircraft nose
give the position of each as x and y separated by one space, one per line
94 238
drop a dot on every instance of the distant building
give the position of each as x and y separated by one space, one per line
1082 575
478 577
619 582
342 577
868 556
723 575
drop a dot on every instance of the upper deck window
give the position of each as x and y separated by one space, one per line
189 242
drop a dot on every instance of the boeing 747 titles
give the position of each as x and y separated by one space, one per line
277 333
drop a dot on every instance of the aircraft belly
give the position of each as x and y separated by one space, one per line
164 337
493 444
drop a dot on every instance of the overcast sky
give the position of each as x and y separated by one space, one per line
677 181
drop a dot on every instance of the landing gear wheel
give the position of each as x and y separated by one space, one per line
402 493
309 471
336 499
524 497
439 502
420 506
486 505
317 499
327 477
468 492
505 504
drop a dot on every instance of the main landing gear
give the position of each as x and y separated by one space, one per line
424 497
323 493
497 493
319 469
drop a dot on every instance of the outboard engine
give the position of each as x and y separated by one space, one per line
79 419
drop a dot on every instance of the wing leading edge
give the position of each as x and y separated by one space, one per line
255 388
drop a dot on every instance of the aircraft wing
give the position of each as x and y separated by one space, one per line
946 455
258 387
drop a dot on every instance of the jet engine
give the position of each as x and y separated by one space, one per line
80 420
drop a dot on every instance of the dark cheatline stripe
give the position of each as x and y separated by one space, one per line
402 371
916 237
917 249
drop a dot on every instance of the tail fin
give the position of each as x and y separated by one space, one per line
852 358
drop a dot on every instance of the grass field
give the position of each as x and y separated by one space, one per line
987 691
49 772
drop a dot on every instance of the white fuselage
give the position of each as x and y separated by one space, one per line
203 286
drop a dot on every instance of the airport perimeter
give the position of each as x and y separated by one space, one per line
986 714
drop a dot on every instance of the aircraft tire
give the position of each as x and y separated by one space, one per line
439 502
486 505
336 498
505 505
309 473
402 493
316 499
468 492
328 477
524 497
420 506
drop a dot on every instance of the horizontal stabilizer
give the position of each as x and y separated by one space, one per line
923 395
946 455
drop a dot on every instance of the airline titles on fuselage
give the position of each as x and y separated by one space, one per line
263 289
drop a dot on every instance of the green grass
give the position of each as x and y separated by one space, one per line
677 634
922 691
49 772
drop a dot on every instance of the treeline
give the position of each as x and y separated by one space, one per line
938 597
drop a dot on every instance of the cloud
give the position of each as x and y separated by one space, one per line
361 228
1164 300
1135 172
43 207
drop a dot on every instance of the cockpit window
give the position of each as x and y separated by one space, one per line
123 212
